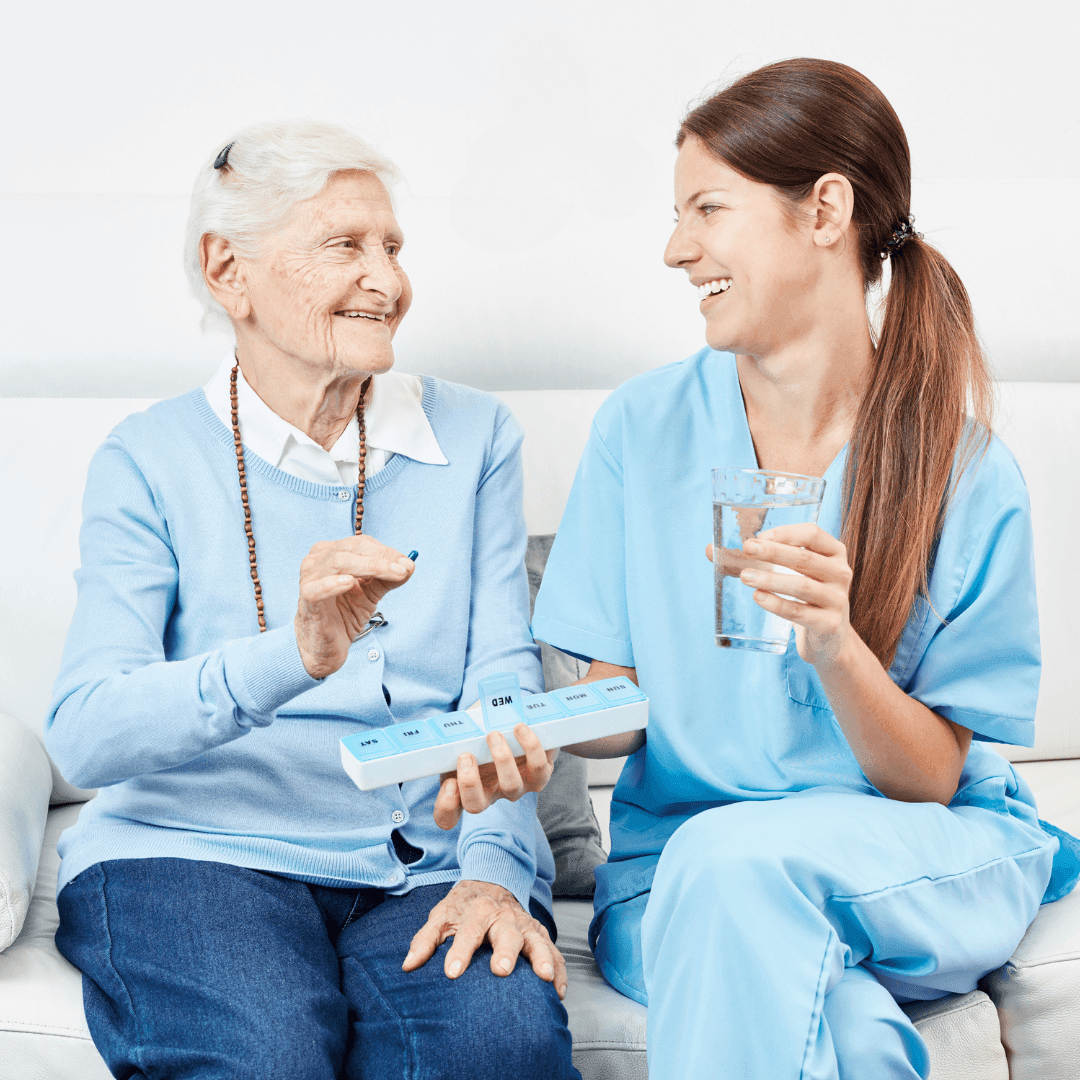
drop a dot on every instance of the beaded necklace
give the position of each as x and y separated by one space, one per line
358 526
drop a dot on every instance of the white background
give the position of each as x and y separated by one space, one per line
536 140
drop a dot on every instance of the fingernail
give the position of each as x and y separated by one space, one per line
408 958
547 971
562 990
751 546
749 576
504 965
455 969
403 564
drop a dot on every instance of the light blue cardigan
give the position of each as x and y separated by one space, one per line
210 740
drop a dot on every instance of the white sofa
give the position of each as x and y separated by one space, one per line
1023 1023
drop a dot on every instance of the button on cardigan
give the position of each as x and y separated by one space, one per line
210 740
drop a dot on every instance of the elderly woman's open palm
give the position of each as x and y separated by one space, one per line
341 584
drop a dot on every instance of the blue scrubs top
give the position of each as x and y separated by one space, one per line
627 582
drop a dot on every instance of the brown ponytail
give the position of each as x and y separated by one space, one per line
786 125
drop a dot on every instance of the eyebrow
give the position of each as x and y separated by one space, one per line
394 236
704 191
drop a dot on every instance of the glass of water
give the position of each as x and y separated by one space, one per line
747 502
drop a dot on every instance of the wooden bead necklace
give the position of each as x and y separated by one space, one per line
358 526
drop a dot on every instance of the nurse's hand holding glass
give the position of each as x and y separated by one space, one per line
814 596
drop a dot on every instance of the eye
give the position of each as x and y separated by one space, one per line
707 208
343 244
392 250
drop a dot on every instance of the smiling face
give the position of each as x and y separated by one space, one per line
326 290
758 272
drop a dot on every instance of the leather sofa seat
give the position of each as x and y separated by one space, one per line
43 1031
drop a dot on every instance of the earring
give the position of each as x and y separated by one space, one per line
828 239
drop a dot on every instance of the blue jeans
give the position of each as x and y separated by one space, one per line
202 969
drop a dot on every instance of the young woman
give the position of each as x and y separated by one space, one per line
804 840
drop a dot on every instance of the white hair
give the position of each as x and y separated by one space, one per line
271 167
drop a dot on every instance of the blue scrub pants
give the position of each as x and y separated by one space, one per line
776 930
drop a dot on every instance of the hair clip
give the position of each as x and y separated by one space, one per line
223 158
900 236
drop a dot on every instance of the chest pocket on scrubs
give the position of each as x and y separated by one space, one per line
803 684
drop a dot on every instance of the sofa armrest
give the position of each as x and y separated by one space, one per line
25 787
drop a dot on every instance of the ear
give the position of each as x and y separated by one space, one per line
223 275
832 203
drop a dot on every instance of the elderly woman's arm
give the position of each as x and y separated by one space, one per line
119 708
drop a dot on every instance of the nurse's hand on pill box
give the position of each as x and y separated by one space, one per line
475 787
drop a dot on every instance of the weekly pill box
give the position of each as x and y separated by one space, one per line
430 746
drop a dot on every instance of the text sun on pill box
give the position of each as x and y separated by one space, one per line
425 747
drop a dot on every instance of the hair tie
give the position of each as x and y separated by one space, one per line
900 236
223 158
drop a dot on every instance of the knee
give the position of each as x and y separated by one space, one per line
724 845
294 1050
520 1031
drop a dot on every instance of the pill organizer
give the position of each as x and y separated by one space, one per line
391 755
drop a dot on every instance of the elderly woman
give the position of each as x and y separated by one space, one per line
237 907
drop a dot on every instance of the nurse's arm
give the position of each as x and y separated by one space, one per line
611 745
906 750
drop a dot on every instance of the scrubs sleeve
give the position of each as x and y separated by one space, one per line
980 667
581 605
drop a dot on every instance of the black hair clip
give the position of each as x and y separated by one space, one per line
900 236
223 158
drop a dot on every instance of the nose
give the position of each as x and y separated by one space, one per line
680 252
380 275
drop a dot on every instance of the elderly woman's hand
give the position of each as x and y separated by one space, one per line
475 787
341 585
473 912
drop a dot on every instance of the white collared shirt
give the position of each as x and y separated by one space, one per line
394 419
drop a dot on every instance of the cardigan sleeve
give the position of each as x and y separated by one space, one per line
119 708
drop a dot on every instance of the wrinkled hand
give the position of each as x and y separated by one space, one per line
473 912
821 584
341 585
475 787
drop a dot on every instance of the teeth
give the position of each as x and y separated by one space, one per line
362 315
710 287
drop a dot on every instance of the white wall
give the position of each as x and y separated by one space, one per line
536 139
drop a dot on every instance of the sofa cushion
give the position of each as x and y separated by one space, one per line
963 1037
25 783
43 1031
608 1029
1037 994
